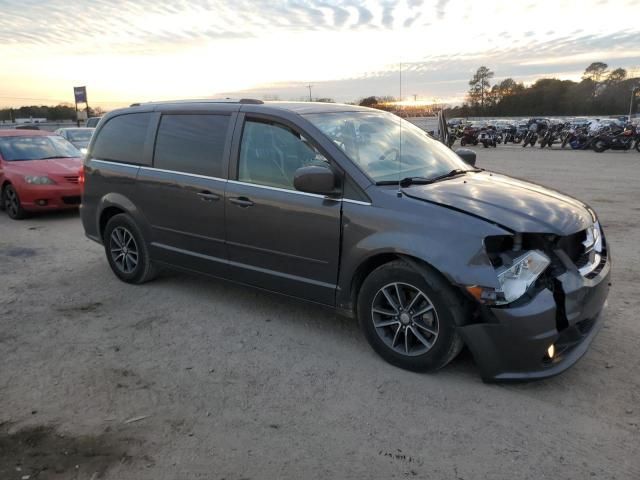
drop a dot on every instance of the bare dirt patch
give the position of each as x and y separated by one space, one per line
44 452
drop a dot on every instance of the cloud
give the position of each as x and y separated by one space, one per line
411 20
344 44
387 14
446 77
441 8
364 16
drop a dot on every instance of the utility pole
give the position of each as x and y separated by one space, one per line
633 94
415 97
309 87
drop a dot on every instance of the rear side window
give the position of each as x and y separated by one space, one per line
191 144
122 138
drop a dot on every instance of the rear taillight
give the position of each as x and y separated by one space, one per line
81 179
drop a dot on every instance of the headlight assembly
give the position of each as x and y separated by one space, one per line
516 279
38 180
519 270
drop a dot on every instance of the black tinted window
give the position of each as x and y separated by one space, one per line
122 138
270 154
191 143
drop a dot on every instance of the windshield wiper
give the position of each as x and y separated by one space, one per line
54 156
453 173
407 181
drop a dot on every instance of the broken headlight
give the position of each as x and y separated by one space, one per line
516 278
516 270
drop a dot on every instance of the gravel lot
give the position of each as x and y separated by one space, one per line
189 377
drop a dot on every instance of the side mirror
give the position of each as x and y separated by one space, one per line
468 156
315 179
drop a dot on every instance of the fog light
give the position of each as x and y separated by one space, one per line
551 351
42 203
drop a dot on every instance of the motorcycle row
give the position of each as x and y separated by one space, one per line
597 135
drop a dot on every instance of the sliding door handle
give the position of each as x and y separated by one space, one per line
208 196
243 202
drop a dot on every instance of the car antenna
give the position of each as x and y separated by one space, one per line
400 146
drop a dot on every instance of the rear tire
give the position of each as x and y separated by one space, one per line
11 203
126 250
412 326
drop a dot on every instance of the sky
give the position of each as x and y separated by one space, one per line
133 51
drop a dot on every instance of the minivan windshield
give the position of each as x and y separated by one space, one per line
372 141
40 147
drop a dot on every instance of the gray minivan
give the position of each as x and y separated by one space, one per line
355 209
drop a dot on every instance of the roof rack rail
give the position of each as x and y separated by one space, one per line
246 101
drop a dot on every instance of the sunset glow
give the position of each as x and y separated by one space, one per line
151 50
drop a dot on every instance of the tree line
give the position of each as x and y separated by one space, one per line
53 113
601 91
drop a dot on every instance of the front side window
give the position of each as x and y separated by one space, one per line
122 139
191 144
270 154
41 147
372 141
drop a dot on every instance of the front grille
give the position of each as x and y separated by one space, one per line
583 260
71 178
73 200
572 245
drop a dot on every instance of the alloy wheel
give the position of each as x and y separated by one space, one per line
405 319
124 250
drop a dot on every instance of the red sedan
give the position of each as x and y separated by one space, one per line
39 171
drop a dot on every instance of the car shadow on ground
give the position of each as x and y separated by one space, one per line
45 217
295 313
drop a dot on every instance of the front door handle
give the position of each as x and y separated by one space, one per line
208 196
243 202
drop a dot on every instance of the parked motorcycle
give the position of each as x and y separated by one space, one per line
551 134
615 139
521 132
488 137
469 136
531 137
509 134
578 138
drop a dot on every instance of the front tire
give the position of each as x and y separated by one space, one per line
126 250
11 203
599 146
409 317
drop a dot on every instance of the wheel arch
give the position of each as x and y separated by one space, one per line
115 203
376 260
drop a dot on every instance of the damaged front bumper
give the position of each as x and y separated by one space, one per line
511 343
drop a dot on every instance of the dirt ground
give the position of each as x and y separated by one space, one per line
188 377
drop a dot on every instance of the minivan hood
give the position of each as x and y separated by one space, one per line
515 204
